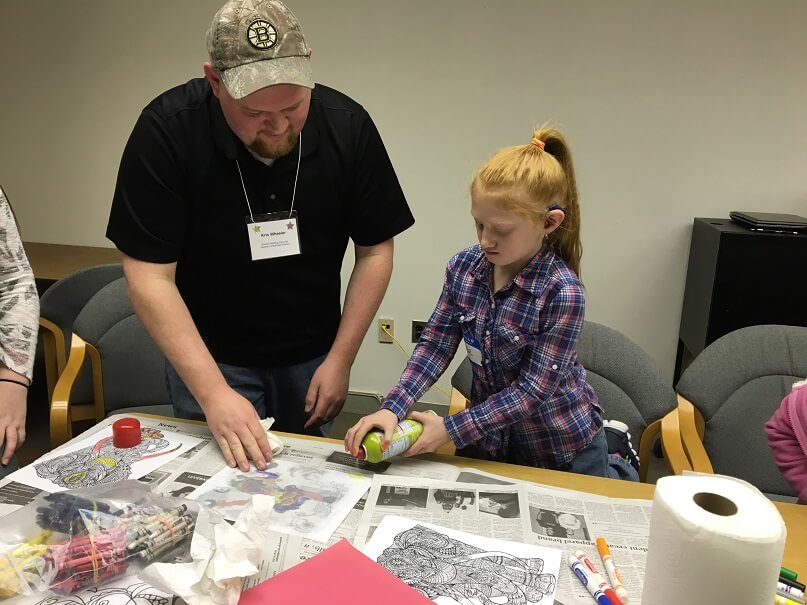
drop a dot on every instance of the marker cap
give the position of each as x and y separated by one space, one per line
126 432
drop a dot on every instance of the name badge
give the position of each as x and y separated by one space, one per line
474 349
273 235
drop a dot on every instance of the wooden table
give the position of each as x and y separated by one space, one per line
794 515
51 262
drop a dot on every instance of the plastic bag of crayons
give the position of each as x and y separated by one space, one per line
66 541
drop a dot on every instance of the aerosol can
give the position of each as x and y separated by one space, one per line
403 437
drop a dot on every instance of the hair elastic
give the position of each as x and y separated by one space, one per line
19 382
537 142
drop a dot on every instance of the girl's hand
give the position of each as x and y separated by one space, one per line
382 419
13 407
434 434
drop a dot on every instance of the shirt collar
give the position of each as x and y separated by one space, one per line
233 148
531 278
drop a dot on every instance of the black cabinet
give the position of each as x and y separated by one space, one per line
738 277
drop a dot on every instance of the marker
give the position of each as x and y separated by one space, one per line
586 580
595 576
610 568
788 573
789 590
792 584
780 600
790 598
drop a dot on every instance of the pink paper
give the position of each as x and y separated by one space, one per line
339 575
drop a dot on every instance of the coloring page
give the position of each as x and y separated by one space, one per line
96 461
456 568
129 590
309 502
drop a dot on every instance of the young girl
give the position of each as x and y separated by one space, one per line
517 302
787 436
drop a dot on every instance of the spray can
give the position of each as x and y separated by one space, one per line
403 437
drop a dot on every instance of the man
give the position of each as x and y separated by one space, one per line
236 196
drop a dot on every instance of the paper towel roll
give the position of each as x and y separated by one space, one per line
713 539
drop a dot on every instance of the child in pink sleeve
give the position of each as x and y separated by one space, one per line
787 437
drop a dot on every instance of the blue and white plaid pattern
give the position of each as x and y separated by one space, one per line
530 402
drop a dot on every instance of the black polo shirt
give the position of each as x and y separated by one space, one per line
179 199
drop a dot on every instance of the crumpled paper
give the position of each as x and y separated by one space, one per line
222 554
274 441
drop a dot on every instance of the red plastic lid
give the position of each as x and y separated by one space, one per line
126 432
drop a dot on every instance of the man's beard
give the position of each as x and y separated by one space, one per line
273 149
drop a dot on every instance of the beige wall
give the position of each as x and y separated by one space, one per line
673 109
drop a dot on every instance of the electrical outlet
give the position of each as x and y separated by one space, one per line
385 325
417 330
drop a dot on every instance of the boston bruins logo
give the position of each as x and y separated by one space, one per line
261 34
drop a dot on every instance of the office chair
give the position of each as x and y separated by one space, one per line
461 381
729 391
126 368
628 383
630 386
58 308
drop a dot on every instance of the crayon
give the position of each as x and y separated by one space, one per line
161 528
37 540
172 537
595 576
152 554
611 569
586 580
166 538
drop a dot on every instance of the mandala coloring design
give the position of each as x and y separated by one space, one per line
439 566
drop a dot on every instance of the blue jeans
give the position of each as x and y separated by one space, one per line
593 459
276 392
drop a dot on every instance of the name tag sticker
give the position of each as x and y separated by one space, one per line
474 349
273 235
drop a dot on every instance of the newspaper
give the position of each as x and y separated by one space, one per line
288 550
565 519
466 499
203 458
184 474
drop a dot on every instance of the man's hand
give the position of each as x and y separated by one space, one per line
382 419
237 429
327 392
13 407
434 434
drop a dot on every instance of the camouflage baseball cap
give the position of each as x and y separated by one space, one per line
258 43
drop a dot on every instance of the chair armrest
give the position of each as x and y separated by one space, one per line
646 447
61 420
458 402
692 427
54 354
672 445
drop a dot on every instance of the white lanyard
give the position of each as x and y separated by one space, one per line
293 191
273 234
